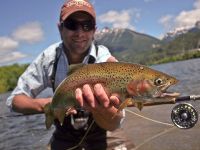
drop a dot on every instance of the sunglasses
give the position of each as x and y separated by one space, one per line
74 25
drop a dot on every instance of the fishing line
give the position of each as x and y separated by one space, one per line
159 122
81 141
72 148
155 136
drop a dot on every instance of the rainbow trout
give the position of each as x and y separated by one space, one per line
136 84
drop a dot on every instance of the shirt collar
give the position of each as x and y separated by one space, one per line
92 54
93 51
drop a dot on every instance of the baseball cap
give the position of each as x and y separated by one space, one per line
72 6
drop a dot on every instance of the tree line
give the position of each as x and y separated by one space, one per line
9 76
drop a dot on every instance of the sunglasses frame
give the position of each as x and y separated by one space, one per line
74 25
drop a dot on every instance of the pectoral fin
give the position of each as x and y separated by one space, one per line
139 105
131 102
124 104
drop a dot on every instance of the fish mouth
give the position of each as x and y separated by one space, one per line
169 95
163 93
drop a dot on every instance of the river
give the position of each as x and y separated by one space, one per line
29 132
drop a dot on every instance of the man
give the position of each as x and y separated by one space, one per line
77 27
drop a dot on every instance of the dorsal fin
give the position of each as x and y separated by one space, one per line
73 68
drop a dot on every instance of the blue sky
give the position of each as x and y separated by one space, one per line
29 26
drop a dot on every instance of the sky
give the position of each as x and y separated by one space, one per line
30 26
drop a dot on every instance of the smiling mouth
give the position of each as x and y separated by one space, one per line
79 40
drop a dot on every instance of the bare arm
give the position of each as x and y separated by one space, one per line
27 105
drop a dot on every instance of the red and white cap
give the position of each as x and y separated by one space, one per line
72 6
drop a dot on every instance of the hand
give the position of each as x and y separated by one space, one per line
95 98
102 106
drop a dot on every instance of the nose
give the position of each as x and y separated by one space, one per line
79 29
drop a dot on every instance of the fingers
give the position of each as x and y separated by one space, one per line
79 96
89 96
85 96
112 59
96 97
101 95
71 111
114 100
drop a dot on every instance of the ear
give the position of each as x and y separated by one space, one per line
59 27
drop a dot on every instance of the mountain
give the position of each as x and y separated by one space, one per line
130 46
186 42
125 44
171 35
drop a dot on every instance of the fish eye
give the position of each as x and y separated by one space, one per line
158 81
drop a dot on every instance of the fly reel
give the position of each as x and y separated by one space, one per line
184 116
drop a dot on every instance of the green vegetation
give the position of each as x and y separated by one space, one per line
9 76
185 46
178 57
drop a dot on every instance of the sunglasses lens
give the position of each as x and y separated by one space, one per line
70 24
88 25
74 25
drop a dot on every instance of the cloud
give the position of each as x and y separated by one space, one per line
187 18
183 19
6 58
31 33
7 43
120 19
166 21
28 33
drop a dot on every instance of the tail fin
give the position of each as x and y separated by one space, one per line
49 117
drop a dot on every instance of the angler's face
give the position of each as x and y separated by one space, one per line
77 32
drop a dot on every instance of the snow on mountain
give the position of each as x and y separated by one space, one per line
181 30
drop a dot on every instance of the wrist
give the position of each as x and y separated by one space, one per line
40 103
108 118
